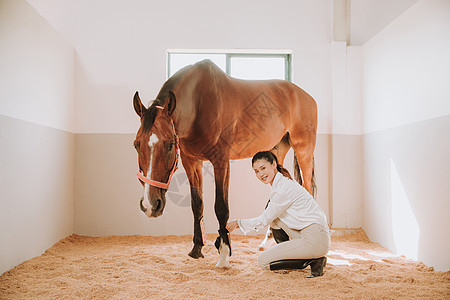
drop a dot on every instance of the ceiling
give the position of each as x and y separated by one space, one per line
74 18
368 17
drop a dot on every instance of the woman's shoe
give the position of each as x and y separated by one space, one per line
317 266
289 264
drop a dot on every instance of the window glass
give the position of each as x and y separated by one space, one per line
245 65
255 67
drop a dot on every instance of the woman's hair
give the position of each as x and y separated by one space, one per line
270 157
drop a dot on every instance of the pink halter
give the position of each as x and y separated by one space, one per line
174 168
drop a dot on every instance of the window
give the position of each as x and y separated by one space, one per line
243 64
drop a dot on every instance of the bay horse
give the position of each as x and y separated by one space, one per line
204 114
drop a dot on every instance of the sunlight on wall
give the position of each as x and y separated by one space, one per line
404 224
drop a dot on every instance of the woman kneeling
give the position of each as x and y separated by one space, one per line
298 224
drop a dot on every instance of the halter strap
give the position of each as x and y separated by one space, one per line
158 183
174 168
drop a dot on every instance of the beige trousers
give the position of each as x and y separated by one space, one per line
310 242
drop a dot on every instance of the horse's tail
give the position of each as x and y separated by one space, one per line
298 176
313 181
297 173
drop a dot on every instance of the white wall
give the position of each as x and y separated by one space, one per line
406 68
36 149
406 143
37 69
345 158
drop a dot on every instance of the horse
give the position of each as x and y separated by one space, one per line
202 114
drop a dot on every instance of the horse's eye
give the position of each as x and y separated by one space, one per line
137 145
171 146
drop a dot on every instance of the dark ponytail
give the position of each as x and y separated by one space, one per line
270 157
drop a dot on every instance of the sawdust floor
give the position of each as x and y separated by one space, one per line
133 267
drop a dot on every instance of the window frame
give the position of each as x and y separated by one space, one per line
286 54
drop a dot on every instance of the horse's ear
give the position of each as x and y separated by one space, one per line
172 103
138 106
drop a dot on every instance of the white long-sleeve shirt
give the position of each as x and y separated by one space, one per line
291 203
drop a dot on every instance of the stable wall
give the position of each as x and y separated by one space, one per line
36 145
406 141
344 141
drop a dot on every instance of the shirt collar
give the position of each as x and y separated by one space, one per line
277 179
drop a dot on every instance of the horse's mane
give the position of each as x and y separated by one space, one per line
149 118
150 113
169 85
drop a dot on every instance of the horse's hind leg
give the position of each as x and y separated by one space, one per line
304 144
193 170
282 148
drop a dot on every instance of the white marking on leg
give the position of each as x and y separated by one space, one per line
224 254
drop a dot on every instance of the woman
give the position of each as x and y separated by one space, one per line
298 223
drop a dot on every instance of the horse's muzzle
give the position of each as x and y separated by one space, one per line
156 211
142 206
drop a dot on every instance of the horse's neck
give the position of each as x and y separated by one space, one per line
183 118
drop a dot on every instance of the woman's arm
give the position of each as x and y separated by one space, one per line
277 205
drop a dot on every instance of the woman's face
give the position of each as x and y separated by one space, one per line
265 171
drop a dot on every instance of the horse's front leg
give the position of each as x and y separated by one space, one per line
197 209
193 168
222 178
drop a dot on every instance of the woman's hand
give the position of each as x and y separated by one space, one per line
231 226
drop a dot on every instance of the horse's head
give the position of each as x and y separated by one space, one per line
157 146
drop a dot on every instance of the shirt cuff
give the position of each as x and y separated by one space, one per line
247 226
240 226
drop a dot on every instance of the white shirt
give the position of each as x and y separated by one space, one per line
291 203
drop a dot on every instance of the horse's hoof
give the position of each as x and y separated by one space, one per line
223 265
196 253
